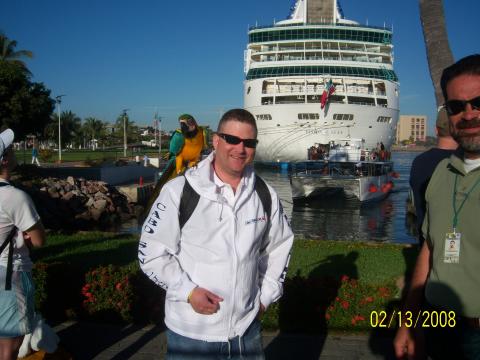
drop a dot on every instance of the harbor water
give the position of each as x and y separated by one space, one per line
381 221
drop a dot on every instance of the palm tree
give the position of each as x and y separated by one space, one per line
8 52
70 127
93 128
439 54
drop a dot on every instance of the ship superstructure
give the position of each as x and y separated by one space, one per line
317 77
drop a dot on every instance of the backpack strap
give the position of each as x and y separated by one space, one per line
264 195
188 203
8 241
189 200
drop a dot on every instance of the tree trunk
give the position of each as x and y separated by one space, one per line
439 55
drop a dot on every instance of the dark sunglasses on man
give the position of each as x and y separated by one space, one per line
455 107
235 140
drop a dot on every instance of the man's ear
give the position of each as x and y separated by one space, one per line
215 140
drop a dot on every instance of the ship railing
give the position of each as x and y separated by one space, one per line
259 27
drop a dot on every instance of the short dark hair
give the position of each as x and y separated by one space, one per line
240 115
469 65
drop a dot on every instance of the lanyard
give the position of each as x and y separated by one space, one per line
455 211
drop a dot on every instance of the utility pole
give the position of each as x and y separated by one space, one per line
124 111
58 100
159 118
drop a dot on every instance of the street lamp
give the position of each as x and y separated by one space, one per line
125 132
158 128
58 100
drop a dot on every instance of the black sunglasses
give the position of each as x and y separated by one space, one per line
455 107
235 140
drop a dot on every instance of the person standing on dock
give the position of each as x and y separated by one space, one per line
20 230
424 165
446 281
225 264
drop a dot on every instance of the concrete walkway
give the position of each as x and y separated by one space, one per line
85 341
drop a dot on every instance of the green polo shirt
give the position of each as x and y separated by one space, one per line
454 286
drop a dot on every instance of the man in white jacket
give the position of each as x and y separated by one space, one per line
226 265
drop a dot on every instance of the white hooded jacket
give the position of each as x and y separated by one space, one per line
232 251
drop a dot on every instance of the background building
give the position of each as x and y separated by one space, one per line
412 127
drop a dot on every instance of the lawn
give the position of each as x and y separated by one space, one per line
331 285
25 156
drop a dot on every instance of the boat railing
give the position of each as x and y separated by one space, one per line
259 27
341 170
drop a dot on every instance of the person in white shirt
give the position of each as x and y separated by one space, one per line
20 229
227 264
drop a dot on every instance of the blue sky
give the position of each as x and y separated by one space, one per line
187 56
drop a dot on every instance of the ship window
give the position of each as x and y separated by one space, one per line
248 90
308 116
264 117
384 119
347 117
267 100
258 73
361 100
382 102
290 99
379 36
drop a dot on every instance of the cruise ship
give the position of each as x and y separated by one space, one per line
316 78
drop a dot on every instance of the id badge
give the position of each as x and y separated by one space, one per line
452 248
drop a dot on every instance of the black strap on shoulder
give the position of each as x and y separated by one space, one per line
190 198
188 203
8 241
264 195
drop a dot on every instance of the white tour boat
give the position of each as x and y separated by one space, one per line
344 169
318 77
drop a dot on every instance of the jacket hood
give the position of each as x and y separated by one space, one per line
201 178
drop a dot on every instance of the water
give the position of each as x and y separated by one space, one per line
382 221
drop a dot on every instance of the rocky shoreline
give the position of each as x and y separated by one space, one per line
79 204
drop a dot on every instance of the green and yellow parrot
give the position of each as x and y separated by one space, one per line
186 145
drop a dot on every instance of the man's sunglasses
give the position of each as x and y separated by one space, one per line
235 140
455 107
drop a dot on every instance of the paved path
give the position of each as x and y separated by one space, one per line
87 341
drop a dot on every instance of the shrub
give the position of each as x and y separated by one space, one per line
108 292
318 304
56 289
46 154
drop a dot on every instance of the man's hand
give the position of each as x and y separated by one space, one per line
204 302
408 345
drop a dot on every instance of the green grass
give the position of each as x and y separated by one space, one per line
89 249
330 285
84 155
371 263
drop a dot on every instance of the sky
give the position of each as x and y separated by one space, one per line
186 56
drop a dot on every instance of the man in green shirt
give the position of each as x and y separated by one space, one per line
445 290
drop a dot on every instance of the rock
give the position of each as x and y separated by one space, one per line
95 213
52 192
68 196
89 202
100 204
71 180
84 216
99 195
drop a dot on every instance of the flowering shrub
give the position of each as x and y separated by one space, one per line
318 304
354 303
108 292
